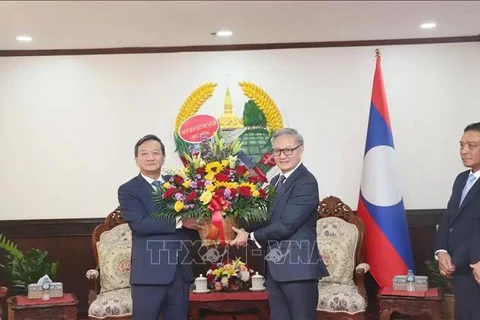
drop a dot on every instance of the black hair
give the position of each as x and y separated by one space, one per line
148 137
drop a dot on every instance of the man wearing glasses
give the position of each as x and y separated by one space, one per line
294 265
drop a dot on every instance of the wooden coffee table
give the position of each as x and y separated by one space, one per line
56 308
229 302
428 306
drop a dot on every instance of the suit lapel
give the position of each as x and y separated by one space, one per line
287 184
471 193
458 195
144 185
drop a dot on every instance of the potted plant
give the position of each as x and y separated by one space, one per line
445 284
24 268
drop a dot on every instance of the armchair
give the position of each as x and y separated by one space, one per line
340 233
110 295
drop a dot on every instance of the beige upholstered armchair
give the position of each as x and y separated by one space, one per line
340 233
110 294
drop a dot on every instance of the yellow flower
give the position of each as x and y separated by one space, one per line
225 163
206 197
214 167
167 185
232 160
180 172
197 161
255 193
178 206
187 183
248 184
232 185
210 187
210 176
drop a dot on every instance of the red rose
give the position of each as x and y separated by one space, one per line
178 180
244 191
222 177
192 196
263 194
219 192
201 171
169 192
241 170
200 184
233 192
210 277
253 179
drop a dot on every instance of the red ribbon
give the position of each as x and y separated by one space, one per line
216 207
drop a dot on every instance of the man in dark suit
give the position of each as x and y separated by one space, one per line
458 235
294 265
160 281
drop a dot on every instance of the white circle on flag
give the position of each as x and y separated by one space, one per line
380 177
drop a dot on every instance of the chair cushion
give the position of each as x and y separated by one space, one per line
114 258
337 240
112 303
336 256
340 298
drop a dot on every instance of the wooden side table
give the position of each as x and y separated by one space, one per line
418 306
229 302
53 309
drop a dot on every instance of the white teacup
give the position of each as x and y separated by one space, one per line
201 284
258 281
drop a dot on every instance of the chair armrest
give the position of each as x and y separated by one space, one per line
359 278
93 275
364 266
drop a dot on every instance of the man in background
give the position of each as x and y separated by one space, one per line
160 282
294 265
458 236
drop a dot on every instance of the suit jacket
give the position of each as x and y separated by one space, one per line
290 236
459 229
158 248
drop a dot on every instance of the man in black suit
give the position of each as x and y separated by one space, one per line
160 282
458 235
294 265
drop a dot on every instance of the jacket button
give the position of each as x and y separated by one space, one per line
451 229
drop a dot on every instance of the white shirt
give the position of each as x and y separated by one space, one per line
286 175
150 181
476 175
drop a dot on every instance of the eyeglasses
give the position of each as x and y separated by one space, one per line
287 151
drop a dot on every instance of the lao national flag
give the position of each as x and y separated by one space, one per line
380 205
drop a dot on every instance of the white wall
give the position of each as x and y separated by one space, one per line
68 124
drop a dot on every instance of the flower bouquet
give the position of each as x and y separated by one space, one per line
230 276
217 187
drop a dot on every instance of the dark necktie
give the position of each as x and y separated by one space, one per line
280 182
156 184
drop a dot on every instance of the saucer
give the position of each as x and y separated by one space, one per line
195 291
260 289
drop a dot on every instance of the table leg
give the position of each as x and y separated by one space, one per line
264 311
386 314
193 311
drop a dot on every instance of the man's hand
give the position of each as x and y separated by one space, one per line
476 271
191 223
241 239
445 264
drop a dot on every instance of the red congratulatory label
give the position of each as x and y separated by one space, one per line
194 128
